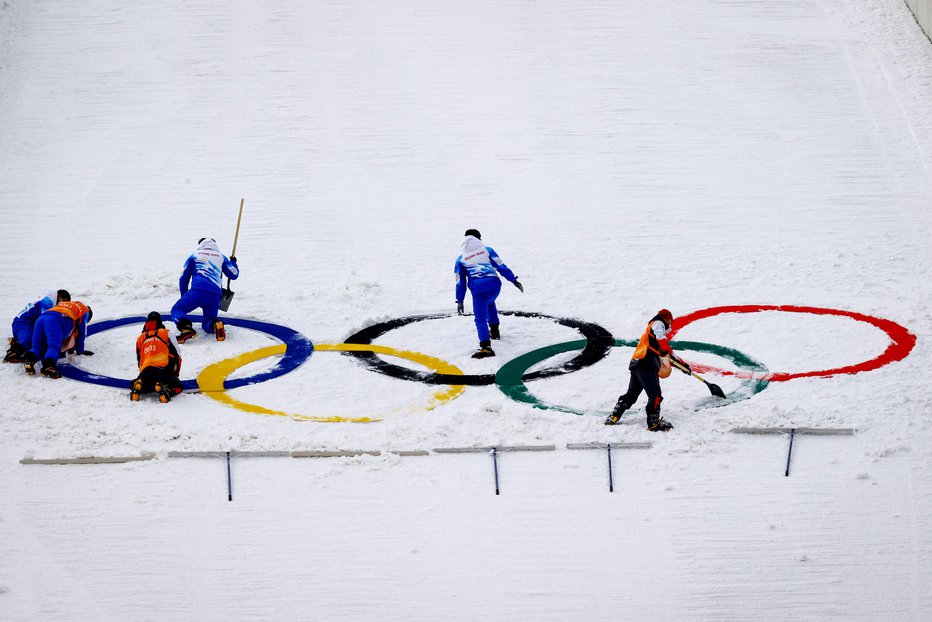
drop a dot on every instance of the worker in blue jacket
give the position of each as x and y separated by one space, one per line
25 321
63 328
477 269
200 286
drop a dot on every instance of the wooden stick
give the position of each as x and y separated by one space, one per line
238 219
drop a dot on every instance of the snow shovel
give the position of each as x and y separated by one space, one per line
713 388
226 294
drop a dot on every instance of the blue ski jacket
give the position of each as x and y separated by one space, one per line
477 262
205 269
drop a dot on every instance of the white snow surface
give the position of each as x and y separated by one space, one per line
621 157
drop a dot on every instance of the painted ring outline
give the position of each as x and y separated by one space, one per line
598 341
298 349
509 378
213 379
902 341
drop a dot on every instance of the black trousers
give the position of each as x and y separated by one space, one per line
165 375
644 378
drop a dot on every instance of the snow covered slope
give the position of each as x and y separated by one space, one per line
621 157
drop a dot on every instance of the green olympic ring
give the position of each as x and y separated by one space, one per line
509 377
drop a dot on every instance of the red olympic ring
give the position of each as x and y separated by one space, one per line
902 341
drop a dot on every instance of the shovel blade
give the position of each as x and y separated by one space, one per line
226 297
716 390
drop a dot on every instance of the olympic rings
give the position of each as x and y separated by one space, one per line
298 350
212 380
597 346
902 341
509 377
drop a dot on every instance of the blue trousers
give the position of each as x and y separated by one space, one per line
49 334
208 302
22 331
484 292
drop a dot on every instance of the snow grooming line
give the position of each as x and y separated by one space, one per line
146 455
793 432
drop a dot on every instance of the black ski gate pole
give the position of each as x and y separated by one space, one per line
611 484
789 454
495 467
229 480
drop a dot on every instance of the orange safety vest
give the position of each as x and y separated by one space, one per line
73 309
649 342
152 348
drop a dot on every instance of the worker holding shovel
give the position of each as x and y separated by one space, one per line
200 286
652 360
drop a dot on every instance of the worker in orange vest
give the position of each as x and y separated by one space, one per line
650 363
159 362
62 328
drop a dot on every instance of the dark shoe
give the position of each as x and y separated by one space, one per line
50 371
617 412
185 330
135 390
493 331
219 331
656 423
16 353
484 351
164 393
30 368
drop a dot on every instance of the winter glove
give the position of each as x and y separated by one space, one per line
459 309
85 353
683 366
519 286
233 258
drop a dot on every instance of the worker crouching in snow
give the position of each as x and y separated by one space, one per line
63 328
203 271
159 362
25 321
650 362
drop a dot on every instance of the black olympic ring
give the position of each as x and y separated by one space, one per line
599 342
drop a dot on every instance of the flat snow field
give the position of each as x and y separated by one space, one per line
621 157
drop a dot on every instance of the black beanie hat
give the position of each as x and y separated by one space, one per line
474 233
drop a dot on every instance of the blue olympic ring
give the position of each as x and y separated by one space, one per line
298 350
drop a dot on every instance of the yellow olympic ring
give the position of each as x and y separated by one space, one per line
211 379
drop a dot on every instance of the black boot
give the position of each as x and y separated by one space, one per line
185 330
484 351
493 331
617 412
16 353
49 370
31 360
656 423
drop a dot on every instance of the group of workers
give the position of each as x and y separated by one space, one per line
54 325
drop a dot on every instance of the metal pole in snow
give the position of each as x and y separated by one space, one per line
789 454
495 467
611 485
229 480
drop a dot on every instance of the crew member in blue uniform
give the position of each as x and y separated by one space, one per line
477 269
25 321
200 288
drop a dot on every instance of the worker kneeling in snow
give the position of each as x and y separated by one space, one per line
200 286
159 362
63 328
